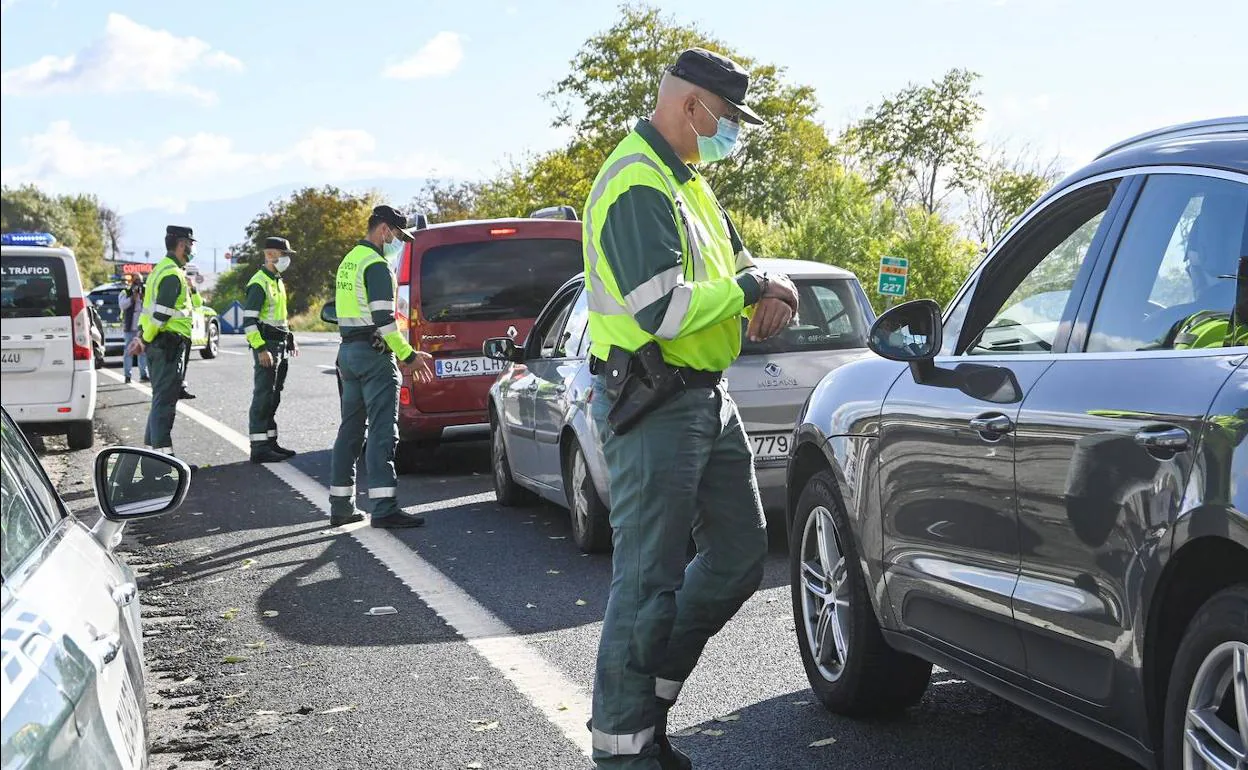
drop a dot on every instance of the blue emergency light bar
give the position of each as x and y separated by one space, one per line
27 239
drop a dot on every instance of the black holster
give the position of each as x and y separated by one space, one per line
640 382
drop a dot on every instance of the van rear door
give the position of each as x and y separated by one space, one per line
488 280
36 341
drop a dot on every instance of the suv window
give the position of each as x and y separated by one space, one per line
495 280
28 509
829 317
1025 292
1175 267
33 287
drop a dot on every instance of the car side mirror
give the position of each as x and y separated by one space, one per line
133 483
910 332
502 349
329 313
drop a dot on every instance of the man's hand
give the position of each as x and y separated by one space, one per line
781 288
294 347
771 316
420 367
137 348
266 359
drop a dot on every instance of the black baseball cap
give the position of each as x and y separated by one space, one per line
178 231
719 75
281 244
396 219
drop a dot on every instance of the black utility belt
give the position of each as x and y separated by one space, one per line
273 333
641 382
169 339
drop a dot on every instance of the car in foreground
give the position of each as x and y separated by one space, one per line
71 643
1045 491
542 437
46 339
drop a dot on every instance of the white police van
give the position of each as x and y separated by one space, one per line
46 361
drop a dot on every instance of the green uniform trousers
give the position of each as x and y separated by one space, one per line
687 467
369 383
266 393
165 362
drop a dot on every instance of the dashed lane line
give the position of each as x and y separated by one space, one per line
559 699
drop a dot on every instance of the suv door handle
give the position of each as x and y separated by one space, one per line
994 424
1164 439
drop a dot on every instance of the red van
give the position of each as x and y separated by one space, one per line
461 283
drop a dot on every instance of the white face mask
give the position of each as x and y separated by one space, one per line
283 262
393 248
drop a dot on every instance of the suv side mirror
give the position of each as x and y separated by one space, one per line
133 483
910 332
502 349
329 313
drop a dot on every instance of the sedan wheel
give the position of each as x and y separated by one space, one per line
826 594
506 490
210 348
591 521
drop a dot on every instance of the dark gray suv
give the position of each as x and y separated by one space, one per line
1044 489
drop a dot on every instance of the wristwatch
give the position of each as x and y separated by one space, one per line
763 282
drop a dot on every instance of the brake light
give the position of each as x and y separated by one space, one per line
405 396
502 231
81 323
64 409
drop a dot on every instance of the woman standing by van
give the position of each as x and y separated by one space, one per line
131 303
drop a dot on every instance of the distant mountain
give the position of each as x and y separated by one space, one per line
220 224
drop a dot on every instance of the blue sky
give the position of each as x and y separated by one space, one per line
161 103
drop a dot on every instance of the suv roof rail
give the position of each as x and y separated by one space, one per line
1194 128
555 212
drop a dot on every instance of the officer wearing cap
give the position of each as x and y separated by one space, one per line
272 344
667 273
369 379
166 334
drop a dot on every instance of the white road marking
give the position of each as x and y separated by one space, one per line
559 699
325 366
230 352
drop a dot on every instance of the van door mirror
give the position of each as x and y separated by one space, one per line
133 483
502 349
329 313
909 332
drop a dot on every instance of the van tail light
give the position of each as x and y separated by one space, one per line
405 396
496 231
81 325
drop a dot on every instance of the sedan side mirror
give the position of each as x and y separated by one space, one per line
502 349
329 313
133 483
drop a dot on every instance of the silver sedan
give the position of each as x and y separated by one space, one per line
543 442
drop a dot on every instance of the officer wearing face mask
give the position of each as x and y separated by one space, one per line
272 344
371 358
668 281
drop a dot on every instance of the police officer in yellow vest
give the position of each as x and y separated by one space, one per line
272 344
166 334
668 283
368 374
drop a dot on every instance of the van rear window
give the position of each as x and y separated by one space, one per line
495 280
33 287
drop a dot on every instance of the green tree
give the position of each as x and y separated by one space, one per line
919 144
29 209
447 201
84 214
614 80
940 258
1002 191
322 225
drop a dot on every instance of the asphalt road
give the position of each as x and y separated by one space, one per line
261 651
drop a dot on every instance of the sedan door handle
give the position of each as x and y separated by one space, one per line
124 594
996 424
104 648
1164 439
561 389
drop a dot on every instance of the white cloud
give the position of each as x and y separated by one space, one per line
60 159
440 56
129 57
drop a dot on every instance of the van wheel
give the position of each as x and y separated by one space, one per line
1205 721
508 492
80 435
850 667
591 519
210 348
